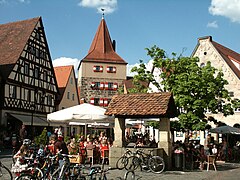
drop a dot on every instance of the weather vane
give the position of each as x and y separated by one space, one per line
102 9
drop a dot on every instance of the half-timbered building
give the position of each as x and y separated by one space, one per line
102 71
28 83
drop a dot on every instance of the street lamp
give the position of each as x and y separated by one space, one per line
32 110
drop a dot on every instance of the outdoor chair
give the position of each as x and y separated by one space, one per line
90 155
211 160
105 156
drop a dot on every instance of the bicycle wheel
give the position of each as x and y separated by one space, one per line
37 172
121 162
129 175
26 177
156 164
132 163
5 173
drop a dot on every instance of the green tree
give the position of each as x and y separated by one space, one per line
195 89
42 139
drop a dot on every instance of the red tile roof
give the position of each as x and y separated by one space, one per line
101 49
129 83
229 55
13 38
62 74
142 105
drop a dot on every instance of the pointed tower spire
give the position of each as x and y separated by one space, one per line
102 49
102 12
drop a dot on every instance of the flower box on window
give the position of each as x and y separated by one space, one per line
111 69
98 68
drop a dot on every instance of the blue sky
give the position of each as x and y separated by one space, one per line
173 25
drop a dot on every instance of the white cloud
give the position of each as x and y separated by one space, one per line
65 61
227 8
109 6
212 24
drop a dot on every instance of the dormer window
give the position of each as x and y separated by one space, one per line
98 68
111 69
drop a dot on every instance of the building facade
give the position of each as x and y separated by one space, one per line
226 60
28 83
67 85
102 71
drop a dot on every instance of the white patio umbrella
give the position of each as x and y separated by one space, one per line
83 113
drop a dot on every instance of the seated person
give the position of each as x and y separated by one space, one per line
202 157
72 147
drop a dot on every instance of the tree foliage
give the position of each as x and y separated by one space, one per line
195 89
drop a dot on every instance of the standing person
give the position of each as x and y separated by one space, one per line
60 131
59 146
23 133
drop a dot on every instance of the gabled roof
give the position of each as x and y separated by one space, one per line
102 49
128 83
62 74
227 54
142 105
13 38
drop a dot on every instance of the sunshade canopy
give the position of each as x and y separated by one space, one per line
83 113
225 130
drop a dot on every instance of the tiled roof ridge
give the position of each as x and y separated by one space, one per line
102 28
142 104
22 21
219 47
102 48
64 66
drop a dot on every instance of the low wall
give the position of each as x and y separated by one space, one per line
116 152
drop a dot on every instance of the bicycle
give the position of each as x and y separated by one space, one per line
5 173
121 162
145 161
30 168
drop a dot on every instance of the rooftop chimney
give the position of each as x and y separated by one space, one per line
114 45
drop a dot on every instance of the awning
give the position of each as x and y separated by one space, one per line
27 120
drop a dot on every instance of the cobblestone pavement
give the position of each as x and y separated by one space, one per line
225 171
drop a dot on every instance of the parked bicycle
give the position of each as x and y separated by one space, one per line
146 161
5 173
121 162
